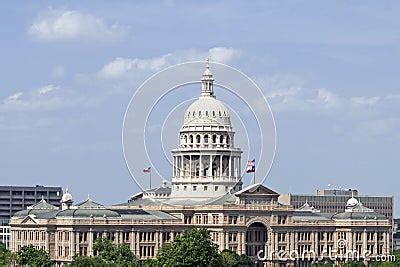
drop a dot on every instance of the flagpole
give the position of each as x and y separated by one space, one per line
254 173
150 178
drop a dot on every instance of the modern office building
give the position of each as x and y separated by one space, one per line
206 191
5 233
396 235
334 201
16 198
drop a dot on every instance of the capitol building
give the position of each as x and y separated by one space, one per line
207 191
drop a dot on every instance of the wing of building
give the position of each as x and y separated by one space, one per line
206 191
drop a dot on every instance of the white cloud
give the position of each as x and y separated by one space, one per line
120 66
14 98
41 99
55 24
46 89
224 54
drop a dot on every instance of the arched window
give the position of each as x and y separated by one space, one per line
213 113
185 139
219 113
191 139
221 139
194 113
199 113
228 139
207 113
214 138
198 139
206 139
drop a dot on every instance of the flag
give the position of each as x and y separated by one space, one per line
251 166
148 169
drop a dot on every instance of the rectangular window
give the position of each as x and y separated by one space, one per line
215 218
232 219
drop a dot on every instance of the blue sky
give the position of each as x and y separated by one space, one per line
329 69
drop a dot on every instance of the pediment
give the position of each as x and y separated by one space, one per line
256 189
29 220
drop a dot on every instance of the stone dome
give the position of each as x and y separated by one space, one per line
66 197
352 202
207 110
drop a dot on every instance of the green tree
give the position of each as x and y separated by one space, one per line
194 248
84 261
6 257
244 261
232 259
150 263
114 254
229 258
29 255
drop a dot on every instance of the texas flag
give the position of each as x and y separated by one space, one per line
251 166
148 169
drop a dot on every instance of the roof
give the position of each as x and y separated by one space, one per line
89 204
311 216
207 110
142 202
358 211
140 214
307 207
42 205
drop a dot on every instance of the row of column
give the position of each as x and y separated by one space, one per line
190 168
292 241
223 241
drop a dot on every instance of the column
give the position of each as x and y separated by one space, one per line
182 167
226 240
313 241
47 241
157 237
132 244
220 167
289 241
137 245
90 237
234 166
375 243
190 166
76 242
364 241
222 240
387 243
201 171
240 166
229 169
72 243
350 241
210 166
243 248
174 167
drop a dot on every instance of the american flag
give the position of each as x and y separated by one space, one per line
251 166
148 169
